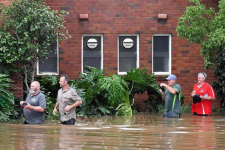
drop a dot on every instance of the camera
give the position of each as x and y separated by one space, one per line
25 104
162 88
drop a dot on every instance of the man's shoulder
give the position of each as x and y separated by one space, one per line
72 89
41 95
177 86
208 86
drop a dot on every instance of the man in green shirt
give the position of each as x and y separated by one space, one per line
171 97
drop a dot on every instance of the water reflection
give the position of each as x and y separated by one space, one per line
138 132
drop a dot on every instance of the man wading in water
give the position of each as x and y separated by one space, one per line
171 96
67 101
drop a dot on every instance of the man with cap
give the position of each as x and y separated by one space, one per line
203 96
171 93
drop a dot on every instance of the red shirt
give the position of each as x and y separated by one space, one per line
205 106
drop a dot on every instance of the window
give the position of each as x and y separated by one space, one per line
50 65
128 52
161 57
92 51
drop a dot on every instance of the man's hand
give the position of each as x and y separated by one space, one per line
163 84
68 107
54 111
21 103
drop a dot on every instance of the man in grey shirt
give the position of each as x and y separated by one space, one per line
67 101
34 106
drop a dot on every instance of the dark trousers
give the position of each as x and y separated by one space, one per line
69 122
201 114
171 114
25 122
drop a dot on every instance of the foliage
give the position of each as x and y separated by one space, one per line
140 82
27 30
199 25
124 107
6 98
104 95
93 103
113 88
220 72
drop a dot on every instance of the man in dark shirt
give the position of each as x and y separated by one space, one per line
34 106
171 94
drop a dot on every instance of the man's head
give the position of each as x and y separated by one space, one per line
34 87
64 80
171 79
202 77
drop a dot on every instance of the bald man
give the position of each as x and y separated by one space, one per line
34 106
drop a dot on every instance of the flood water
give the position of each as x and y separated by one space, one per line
140 132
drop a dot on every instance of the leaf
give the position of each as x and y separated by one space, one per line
115 88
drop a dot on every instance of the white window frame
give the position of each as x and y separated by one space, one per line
170 53
51 73
118 44
82 71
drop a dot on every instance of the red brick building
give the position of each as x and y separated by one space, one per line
119 34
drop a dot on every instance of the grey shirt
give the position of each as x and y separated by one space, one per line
64 98
32 116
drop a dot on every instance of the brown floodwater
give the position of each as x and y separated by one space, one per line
140 132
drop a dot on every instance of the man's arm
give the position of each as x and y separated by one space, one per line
55 108
35 108
207 98
162 94
169 88
69 107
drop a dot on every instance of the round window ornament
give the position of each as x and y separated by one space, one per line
92 43
128 43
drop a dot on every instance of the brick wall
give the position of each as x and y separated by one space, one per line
113 17
5 2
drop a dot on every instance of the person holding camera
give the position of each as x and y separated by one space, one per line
171 93
67 101
34 106
203 96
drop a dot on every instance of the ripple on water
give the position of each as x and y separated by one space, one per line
133 129
89 128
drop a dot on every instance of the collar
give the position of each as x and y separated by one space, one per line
35 94
199 86
65 90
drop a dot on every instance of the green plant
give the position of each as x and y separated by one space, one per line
140 82
94 102
220 72
27 30
6 98
113 89
124 107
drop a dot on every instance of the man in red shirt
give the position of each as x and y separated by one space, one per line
206 94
